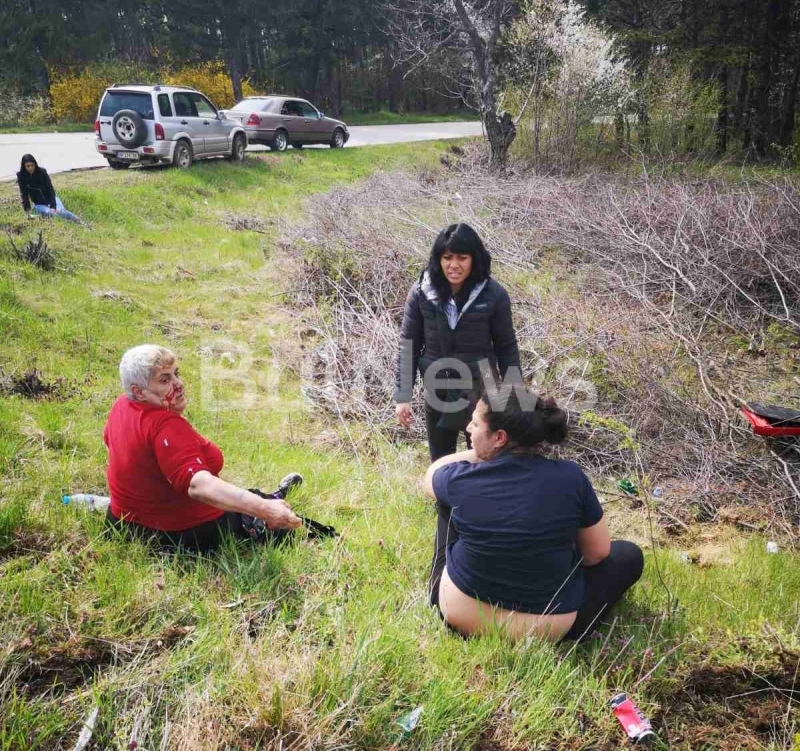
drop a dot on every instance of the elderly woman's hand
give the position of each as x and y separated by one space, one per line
277 514
217 492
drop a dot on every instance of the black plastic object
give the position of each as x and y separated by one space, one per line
778 416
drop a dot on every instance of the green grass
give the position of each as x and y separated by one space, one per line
405 118
314 645
55 128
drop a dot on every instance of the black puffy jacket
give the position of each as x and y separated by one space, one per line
36 188
484 331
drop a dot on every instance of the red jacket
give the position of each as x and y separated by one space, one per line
152 456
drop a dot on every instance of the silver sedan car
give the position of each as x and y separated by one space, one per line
277 121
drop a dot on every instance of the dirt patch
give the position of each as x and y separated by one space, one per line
118 297
260 736
27 543
64 667
31 385
731 707
246 223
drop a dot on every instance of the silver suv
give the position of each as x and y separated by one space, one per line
163 124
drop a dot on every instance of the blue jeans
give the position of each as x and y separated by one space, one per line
60 211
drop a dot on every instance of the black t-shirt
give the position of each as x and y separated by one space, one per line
518 518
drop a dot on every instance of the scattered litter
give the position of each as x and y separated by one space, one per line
636 726
685 557
409 721
88 501
657 492
771 420
626 486
772 547
87 731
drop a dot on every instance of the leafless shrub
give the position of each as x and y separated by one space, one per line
726 251
660 298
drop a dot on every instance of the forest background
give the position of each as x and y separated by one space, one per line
718 77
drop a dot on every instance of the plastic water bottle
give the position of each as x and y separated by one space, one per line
88 500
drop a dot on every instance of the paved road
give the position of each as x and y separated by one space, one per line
60 152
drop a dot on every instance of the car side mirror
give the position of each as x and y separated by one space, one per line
321 115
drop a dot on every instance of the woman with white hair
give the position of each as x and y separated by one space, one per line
163 476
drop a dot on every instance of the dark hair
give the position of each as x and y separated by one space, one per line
458 238
27 158
528 427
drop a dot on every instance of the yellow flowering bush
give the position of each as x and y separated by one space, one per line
75 93
211 79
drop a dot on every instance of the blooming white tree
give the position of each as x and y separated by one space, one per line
565 74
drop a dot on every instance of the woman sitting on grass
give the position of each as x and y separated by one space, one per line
35 188
528 549
163 476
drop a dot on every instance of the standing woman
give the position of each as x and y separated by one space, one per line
457 311
36 189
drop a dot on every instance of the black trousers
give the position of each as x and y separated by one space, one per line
204 537
441 443
200 539
606 582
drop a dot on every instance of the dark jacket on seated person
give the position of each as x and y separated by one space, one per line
36 188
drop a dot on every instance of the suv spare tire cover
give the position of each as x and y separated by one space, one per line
130 136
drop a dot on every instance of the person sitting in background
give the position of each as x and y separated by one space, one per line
528 550
163 476
35 188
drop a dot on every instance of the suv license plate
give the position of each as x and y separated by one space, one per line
131 155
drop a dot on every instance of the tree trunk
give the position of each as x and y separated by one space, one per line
761 111
643 121
234 74
501 131
789 107
723 114
619 129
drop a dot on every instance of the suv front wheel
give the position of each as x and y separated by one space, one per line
239 147
183 156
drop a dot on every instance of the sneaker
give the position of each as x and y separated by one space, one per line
292 480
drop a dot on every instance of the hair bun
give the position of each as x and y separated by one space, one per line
554 419
546 403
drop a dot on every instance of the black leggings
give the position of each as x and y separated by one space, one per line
441 441
606 582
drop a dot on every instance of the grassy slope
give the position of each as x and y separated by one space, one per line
321 644
60 128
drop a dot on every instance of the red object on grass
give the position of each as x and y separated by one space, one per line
762 426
